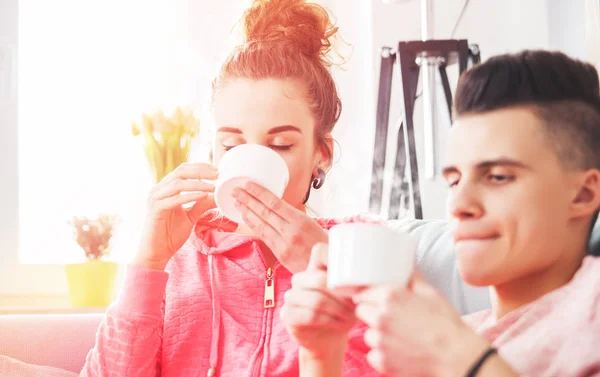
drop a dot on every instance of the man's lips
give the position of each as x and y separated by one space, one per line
468 236
467 231
473 231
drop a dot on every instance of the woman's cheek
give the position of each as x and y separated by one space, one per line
298 185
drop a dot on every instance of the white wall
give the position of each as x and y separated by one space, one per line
566 27
497 26
592 31
8 132
346 191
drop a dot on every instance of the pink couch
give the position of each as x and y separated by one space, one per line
59 341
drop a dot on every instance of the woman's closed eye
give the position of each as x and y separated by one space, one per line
281 147
274 147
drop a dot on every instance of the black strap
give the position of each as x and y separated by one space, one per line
475 368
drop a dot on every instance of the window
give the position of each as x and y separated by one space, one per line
86 70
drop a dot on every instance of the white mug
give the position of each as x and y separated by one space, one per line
362 255
248 162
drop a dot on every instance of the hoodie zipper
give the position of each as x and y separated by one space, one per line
269 290
269 303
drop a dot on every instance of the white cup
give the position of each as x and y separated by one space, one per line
248 162
362 255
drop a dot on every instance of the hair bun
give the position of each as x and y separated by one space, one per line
303 26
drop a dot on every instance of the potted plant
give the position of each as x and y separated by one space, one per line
92 283
167 139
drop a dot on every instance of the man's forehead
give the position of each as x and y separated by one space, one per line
513 134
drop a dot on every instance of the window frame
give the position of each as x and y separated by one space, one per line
20 284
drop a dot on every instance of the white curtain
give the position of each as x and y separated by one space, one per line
592 31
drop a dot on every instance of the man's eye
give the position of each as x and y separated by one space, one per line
500 179
452 183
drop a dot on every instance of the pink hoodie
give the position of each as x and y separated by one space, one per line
214 313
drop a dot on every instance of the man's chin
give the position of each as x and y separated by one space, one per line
478 272
476 279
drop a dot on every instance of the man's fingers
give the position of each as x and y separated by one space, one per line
420 286
297 316
319 302
318 257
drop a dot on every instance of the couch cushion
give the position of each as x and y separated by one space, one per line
437 261
15 368
61 341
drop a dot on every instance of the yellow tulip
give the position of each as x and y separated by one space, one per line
135 129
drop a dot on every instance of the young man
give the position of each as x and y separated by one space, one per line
524 173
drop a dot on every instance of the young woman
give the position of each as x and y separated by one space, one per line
524 175
208 303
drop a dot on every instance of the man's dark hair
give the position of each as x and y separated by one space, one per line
563 92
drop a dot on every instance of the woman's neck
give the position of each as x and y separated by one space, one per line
517 293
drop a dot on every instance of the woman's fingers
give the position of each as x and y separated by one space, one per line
200 207
181 199
178 186
193 170
248 204
270 205
260 228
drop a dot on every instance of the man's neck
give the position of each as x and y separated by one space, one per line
515 294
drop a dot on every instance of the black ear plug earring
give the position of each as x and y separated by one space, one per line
316 183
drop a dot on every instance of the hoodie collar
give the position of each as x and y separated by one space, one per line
215 234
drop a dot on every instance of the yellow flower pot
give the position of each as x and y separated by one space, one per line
92 284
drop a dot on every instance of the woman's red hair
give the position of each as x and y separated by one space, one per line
289 39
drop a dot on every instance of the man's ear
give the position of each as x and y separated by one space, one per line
210 156
587 198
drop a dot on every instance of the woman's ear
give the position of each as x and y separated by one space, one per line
326 153
210 156
587 199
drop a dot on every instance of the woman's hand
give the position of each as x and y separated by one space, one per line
414 331
316 319
288 232
168 225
